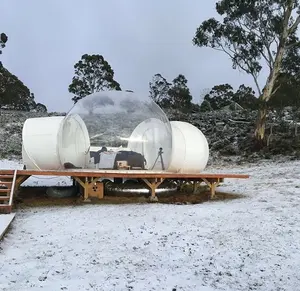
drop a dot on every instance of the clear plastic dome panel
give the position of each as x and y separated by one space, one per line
151 139
124 121
74 142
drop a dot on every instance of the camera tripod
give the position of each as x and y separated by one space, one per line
159 155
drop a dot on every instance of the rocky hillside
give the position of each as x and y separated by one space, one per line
11 124
230 133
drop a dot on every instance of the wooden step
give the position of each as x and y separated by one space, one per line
5 183
5 209
8 180
6 177
4 198
6 172
4 190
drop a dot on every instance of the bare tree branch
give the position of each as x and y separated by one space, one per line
276 89
287 17
292 45
269 57
257 85
294 25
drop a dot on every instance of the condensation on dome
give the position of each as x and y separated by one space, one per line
123 123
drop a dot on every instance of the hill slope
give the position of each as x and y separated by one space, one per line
228 133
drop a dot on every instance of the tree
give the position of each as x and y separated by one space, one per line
219 96
245 96
13 93
171 95
95 102
92 74
179 94
288 81
252 31
222 95
41 108
159 90
3 41
205 106
288 93
131 106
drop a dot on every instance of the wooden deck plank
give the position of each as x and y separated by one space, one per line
125 174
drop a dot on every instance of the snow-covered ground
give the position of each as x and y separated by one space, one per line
251 243
5 221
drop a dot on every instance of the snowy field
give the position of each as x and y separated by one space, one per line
5 221
251 243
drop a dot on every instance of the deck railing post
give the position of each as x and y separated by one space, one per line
12 190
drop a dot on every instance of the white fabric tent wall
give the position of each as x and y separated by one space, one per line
49 142
39 143
190 150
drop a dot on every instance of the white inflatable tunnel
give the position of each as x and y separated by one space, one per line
147 138
49 142
188 151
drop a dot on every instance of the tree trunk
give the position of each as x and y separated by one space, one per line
261 127
269 88
266 96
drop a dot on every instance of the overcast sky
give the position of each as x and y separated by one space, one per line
139 38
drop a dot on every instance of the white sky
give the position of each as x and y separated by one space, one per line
138 39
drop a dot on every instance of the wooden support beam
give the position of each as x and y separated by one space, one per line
78 180
195 186
94 180
86 190
85 185
212 184
20 180
153 184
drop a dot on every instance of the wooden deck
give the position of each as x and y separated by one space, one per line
87 177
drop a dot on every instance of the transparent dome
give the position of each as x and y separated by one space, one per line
125 130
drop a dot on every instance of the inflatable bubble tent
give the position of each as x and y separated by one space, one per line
114 130
113 120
